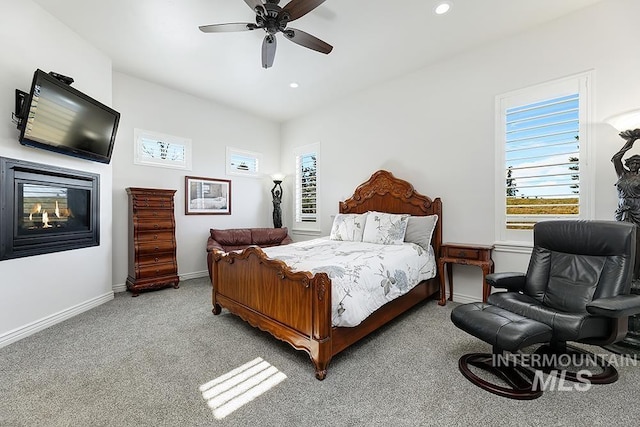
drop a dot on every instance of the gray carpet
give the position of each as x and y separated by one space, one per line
141 362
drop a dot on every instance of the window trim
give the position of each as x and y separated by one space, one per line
306 227
581 83
139 159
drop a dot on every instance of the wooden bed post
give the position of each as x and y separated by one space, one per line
321 350
214 268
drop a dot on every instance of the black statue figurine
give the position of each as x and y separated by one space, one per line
628 183
628 186
276 193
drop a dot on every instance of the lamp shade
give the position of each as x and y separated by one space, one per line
277 177
628 120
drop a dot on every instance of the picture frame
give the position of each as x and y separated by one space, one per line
207 196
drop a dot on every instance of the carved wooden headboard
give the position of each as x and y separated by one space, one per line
383 192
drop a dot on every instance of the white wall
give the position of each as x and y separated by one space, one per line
40 290
211 127
435 127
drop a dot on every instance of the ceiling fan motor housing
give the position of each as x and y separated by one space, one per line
273 19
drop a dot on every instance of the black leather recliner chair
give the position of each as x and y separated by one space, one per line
576 289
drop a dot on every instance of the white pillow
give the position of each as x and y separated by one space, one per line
348 227
385 228
420 230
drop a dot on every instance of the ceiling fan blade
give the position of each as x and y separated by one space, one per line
255 5
268 50
307 40
298 8
225 28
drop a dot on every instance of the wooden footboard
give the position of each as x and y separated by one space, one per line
293 307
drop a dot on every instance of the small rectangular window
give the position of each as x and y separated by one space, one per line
244 163
157 149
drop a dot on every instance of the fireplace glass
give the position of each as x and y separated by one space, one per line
44 208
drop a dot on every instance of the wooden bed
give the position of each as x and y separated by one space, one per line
295 307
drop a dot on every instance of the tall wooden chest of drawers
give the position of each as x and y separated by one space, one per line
152 240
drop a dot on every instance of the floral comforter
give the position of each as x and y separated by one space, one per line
364 276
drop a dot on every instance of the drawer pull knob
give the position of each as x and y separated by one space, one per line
155 237
156 259
155 225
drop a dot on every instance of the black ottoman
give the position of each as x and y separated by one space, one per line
505 331
500 328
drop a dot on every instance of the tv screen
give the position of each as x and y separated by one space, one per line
59 118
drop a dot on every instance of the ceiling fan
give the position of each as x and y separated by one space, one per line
274 19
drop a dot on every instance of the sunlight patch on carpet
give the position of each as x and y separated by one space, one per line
240 386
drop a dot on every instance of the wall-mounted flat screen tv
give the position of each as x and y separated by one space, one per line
57 117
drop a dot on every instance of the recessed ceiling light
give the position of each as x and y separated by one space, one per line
442 8
293 85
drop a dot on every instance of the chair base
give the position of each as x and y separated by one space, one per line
519 378
608 375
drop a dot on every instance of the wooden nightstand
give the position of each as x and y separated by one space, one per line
460 253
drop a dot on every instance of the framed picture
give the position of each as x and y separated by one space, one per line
207 196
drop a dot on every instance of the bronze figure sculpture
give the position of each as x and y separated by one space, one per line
276 193
628 186
628 183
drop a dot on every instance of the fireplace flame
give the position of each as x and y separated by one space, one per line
45 220
35 209
50 220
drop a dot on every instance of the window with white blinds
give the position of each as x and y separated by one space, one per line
306 201
543 137
241 162
542 161
157 149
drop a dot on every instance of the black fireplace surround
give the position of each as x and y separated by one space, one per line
46 209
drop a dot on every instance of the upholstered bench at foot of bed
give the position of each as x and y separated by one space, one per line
505 331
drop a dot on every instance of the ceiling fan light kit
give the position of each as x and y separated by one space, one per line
274 19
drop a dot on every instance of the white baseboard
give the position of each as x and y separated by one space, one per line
194 275
119 287
31 328
464 299
122 287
